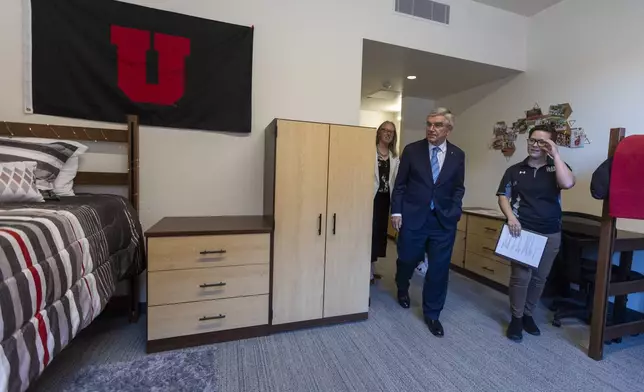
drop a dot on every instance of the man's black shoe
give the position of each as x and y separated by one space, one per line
403 300
435 327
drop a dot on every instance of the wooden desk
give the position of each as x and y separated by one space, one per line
480 263
473 256
482 226
585 237
625 241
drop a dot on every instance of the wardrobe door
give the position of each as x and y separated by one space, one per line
302 159
349 220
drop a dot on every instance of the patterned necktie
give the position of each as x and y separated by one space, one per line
435 168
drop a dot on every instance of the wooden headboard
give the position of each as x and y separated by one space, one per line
130 136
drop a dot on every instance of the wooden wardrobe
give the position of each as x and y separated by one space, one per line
318 187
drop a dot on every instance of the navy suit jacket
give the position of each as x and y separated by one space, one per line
415 189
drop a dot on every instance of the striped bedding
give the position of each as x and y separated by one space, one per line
59 264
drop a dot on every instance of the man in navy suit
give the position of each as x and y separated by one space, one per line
426 206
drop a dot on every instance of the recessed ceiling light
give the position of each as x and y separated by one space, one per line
411 77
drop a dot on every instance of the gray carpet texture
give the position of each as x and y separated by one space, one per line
392 351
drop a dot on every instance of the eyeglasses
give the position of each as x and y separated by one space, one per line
538 142
438 125
387 131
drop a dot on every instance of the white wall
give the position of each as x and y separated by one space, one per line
414 117
587 53
307 65
373 118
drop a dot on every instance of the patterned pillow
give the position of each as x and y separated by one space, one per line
18 182
50 158
64 182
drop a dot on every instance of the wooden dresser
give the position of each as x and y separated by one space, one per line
208 280
476 237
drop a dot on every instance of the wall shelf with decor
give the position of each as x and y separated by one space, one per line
558 117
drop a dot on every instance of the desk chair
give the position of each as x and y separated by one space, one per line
574 268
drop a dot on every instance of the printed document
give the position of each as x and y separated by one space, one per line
526 249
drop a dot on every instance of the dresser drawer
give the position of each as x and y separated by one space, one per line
486 227
484 246
207 316
488 268
172 253
462 224
458 254
171 287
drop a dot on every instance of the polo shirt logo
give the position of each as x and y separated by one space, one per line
550 169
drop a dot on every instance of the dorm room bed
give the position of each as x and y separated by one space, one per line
61 259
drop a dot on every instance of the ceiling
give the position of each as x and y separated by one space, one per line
521 7
437 76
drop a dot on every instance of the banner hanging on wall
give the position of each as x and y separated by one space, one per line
103 59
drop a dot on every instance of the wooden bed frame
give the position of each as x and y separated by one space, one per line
600 332
130 179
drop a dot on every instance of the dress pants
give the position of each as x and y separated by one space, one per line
526 284
432 238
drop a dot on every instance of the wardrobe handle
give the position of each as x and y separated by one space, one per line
334 224
320 224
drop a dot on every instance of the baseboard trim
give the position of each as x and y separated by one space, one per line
277 328
174 343
480 279
158 345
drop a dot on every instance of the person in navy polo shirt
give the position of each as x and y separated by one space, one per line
530 198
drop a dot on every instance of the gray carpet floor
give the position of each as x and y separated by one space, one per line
392 351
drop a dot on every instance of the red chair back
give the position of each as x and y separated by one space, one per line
626 197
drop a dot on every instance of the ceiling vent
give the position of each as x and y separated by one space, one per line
426 9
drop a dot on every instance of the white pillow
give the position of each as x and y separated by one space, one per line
18 182
64 182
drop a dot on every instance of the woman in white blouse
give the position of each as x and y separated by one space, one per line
384 178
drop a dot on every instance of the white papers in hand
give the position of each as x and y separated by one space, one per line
526 249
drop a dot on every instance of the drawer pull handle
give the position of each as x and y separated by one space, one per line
213 252
206 285
488 269
489 249
219 317
333 223
320 224
490 229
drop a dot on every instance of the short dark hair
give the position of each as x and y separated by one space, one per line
543 128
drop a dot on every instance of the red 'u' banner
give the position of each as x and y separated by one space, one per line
103 59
